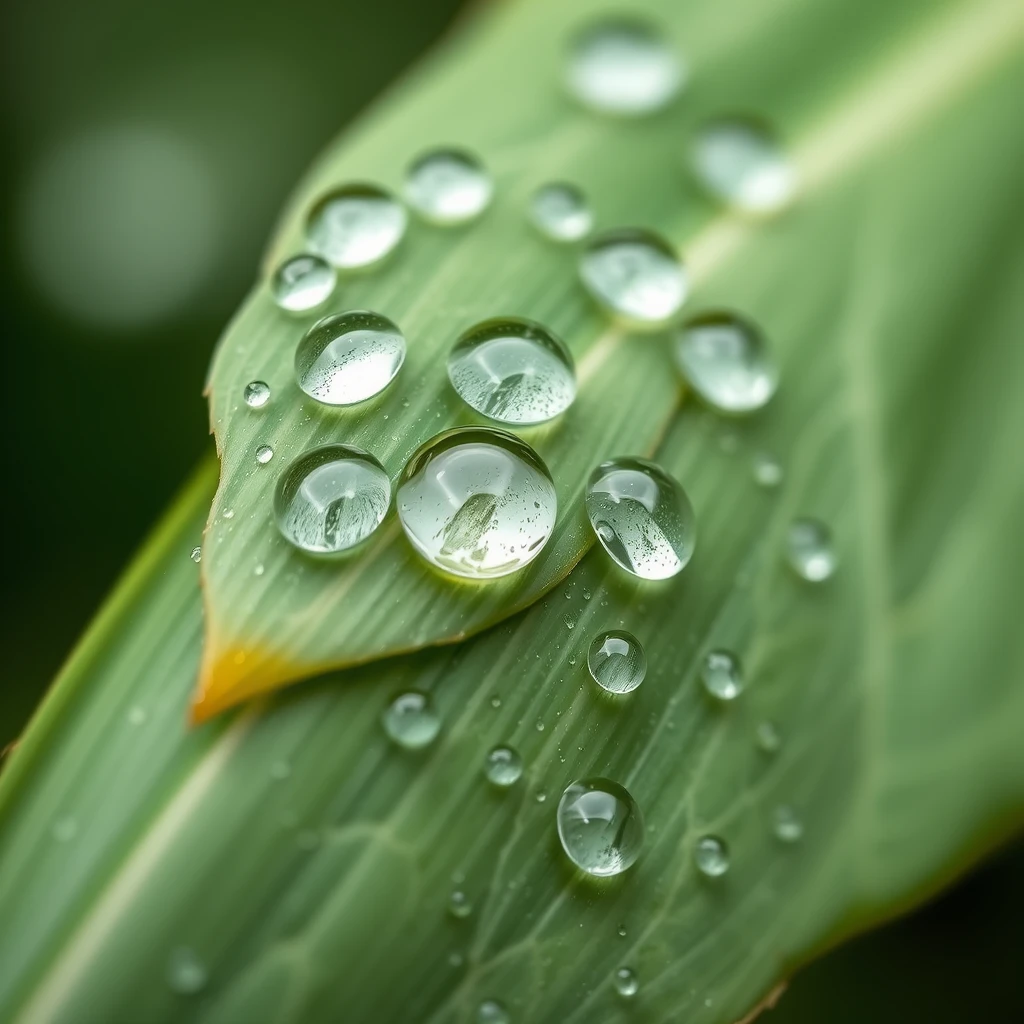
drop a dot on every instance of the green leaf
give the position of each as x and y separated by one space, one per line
306 864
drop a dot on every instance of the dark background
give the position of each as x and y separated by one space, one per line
148 148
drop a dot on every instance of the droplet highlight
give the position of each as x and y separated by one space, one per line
411 721
617 661
722 675
810 550
600 826
711 855
448 186
303 283
503 767
626 982
256 394
560 211
356 226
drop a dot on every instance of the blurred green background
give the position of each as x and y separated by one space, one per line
148 150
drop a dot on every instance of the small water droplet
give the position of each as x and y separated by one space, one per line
769 739
356 225
600 826
280 770
622 931
477 502
259 570
490 1011
256 394
623 66
459 904
229 513
725 359
513 370
810 550
626 982
495 702
788 827
186 973
642 517
331 498
560 211
448 186
712 856
303 283
722 675
264 454
136 715
617 661
504 766
196 554
570 622
540 797
540 725
586 595
411 721
64 829
767 470
634 275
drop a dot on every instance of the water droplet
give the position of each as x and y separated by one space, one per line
448 186
712 856
303 283
540 725
600 826
136 715
186 973
740 162
788 827
634 275
280 770
617 661
513 370
540 797
810 550
356 225
725 359
495 702
64 829
769 739
259 569
477 502
459 904
767 470
560 211
256 394
490 1011
349 357
622 931
504 766
626 982
642 517
623 66
411 721
331 498
196 554
264 454
722 675
228 513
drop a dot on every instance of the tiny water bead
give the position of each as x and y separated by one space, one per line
303 283
448 186
600 826
331 498
725 359
560 211
513 370
504 766
787 826
264 454
196 554
722 675
635 275
459 904
186 973
624 67
626 982
642 517
477 502
356 225
617 661
490 1011
769 739
349 357
767 470
712 856
256 394
740 162
411 721
810 550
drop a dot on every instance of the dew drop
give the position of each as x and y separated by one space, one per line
349 357
560 211
264 454
356 225
64 829
196 554
767 470
626 982
186 973
228 513
810 550
600 826
477 502
617 661
490 1011
513 371
624 67
448 186
459 904
740 162
411 721
331 498
642 517
256 394
634 275
769 739
259 569
787 826
504 766
303 283
722 675
622 931
712 856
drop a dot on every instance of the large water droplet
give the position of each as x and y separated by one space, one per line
411 721
626 982
349 357
477 502
448 186
787 826
186 973
810 550
725 359
712 856
513 370
769 739
560 211
331 498
600 826
303 283
490 1011
623 66
722 675
617 661
504 766
740 162
634 275
256 394
642 517
264 453
356 225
